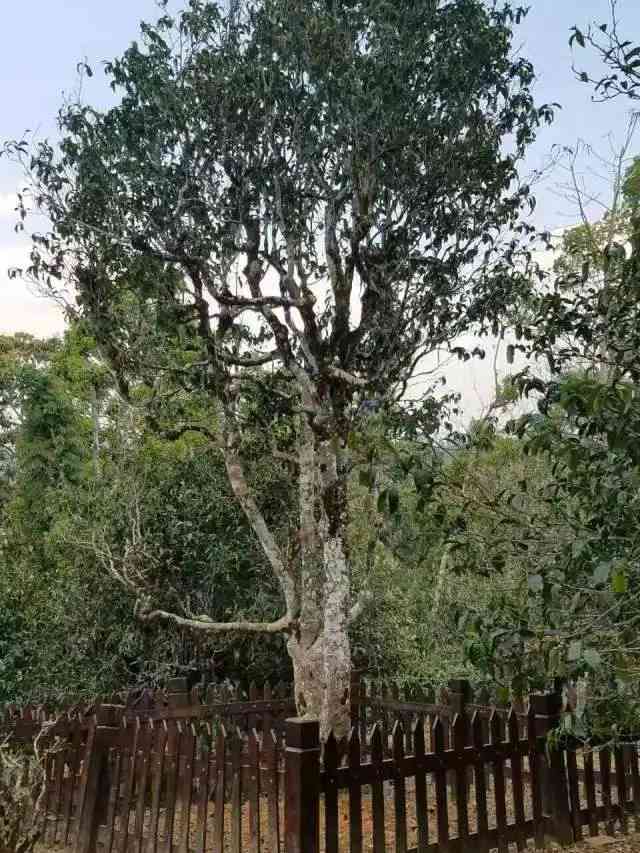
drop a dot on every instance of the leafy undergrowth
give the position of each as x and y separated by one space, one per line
20 785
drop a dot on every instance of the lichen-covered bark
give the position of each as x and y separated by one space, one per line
320 648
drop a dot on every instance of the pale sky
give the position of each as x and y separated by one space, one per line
43 41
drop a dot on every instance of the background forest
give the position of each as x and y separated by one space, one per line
507 551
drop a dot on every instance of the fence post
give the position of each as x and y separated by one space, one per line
460 695
94 792
547 708
302 786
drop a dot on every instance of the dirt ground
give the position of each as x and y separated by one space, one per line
624 844
604 844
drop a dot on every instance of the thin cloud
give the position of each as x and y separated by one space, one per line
21 310
8 202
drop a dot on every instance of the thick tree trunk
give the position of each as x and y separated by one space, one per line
320 650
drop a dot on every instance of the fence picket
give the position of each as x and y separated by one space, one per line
331 762
74 768
621 785
46 807
517 786
56 805
422 810
113 801
355 793
156 785
459 731
221 769
186 759
635 782
204 769
377 792
442 809
144 745
399 789
480 780
254 791
590 789
496 729
270 747
574 794
605 783
236 792
131 749
266 721
174 736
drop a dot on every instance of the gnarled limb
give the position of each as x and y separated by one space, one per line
205 625
272 551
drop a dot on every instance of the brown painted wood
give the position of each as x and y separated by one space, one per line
254 791
94 796
621 785
496 729
221 755
121 787
377 791
355 792
57 826
115 770
49 765
590 789
74 769
605 782
271 760
204 770
460 734
635 782
236 792
157 776
266 718
517 784
145 744
129 762
302 786
186 765
331 762
399 790
574 793
480 780
174 736
440 778
422 809
24 779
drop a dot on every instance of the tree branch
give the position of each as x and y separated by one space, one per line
347 377
257 521
208 626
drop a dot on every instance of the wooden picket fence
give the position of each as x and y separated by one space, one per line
182 779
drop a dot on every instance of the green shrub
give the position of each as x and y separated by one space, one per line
21 785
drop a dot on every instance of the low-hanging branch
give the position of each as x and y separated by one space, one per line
204 624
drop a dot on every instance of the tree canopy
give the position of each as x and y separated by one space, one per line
301 202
